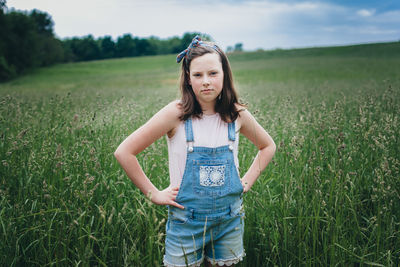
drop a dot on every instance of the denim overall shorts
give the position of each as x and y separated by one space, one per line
211 225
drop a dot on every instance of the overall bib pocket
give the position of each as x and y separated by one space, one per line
211 177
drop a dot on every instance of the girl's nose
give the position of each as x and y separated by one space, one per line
206 81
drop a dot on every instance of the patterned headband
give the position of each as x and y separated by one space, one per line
195 43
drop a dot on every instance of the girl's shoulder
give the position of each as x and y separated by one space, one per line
245 119
174 109
240 107
169 115
242 110
172 112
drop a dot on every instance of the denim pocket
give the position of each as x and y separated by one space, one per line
211 177
178 217
237 209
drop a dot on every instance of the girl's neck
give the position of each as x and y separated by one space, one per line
208 109
209 112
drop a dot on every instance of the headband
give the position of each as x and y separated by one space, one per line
195 43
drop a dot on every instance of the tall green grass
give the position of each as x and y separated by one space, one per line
330 196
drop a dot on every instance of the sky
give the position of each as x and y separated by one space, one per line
257 24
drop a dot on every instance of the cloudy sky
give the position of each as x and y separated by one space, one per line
266 24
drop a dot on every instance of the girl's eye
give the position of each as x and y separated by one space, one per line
196 75
214 73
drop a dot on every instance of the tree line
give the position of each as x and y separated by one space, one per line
89 48
27 41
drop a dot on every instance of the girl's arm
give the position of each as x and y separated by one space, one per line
263 141
161 123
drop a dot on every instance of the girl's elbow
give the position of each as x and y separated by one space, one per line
269 148
119 153
122 152
273 147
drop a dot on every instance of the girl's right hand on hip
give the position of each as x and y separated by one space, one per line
166 197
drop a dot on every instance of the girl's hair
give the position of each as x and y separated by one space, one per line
226 101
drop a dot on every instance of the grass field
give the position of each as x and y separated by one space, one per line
331 196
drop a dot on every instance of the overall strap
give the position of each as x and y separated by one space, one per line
231 131
189 130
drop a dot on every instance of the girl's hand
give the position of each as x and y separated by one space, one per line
246 186
166 197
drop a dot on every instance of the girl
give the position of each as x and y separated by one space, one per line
205 218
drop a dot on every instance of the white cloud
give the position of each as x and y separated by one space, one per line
366 12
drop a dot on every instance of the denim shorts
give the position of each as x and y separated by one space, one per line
193 235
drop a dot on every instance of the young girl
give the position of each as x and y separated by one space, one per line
205 218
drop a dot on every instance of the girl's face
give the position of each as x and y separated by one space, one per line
206 77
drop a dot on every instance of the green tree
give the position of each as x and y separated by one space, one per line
26 42
85 48
126 46
5 71
51 51
238 47
107 47
43 21
20 42
173 45
155 45
144 47
49 48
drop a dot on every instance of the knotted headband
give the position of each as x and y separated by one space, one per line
195 43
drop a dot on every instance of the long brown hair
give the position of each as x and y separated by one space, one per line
226 101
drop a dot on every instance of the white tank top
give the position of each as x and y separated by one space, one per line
209 131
